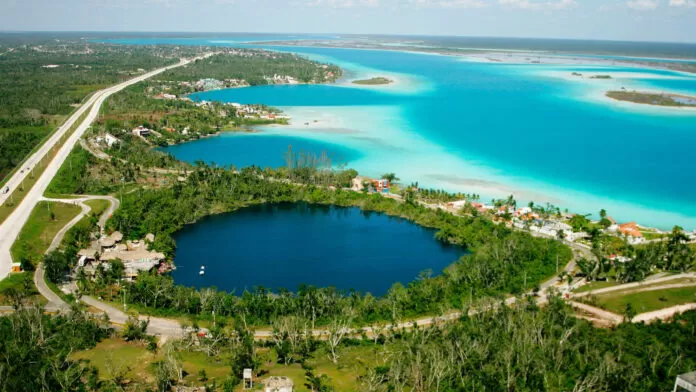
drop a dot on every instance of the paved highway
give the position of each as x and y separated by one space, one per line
9 230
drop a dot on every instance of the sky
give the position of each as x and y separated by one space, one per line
633 20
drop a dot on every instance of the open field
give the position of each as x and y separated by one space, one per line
98 206
45 221
647 301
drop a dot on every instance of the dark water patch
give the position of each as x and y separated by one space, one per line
286 245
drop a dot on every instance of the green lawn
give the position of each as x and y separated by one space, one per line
23 281
647 301
98 206
45 221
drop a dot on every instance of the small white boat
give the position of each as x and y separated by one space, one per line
202 267
201 272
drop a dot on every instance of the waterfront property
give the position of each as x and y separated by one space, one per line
133 254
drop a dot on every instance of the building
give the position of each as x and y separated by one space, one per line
630 229
278 384
141 131
16 267
685 382
133 254
381 185
107 139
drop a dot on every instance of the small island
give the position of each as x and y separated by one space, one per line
374 81
657 99
600 77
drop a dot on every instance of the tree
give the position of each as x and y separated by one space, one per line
135 329
337 329
629 312
391 177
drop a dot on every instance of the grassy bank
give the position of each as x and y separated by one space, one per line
45 222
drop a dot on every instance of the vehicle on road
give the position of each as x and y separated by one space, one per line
5 190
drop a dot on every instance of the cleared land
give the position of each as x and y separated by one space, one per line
131 360
647 301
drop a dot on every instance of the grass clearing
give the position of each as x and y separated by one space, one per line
647 301
114 356
136 363
98 206
45 222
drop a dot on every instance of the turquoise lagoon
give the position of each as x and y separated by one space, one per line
493 129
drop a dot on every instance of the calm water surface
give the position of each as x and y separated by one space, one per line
290 244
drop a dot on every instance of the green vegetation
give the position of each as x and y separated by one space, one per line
98 206
17 195
646 301
652 99
35 350
374 81
501 349
72 176
45 221
17 287
255 67
493 268
41 83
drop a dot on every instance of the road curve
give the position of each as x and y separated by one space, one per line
9 230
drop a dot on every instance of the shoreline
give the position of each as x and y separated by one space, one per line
480 178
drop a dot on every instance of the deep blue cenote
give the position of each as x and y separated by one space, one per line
286 245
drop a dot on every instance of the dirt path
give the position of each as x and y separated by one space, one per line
55 301
640 286
663 314
601 314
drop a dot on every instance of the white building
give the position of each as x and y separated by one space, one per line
110 139
141 131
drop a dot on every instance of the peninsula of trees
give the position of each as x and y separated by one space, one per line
656 99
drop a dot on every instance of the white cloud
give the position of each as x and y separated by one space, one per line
642 5
682 3
536 5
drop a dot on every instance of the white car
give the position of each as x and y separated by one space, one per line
5 190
